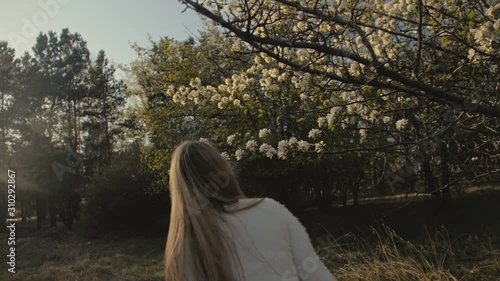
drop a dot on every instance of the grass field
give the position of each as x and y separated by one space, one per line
376 242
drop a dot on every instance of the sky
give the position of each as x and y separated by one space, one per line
110 25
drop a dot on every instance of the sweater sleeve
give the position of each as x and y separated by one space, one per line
307 265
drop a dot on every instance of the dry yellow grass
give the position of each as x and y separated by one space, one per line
388 257
55 256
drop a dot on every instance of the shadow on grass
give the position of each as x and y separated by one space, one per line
56 254
474 214
421 240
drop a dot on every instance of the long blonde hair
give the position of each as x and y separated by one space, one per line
201 183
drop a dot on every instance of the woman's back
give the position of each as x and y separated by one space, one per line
206 242
272 244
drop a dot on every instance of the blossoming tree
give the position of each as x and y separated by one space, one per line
398 45
390 85
411 70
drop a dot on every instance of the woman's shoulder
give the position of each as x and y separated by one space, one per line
265 200
257 205
267 203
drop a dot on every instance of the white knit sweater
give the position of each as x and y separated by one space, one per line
273 245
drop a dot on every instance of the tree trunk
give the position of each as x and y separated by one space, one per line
70 215
324 194
41 210
23 211
50 128
432 185
344 196
52 208
445 176
355 194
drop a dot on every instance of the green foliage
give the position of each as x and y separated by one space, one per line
56 101
176 63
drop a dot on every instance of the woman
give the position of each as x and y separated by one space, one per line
217 234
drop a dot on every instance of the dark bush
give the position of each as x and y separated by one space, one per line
118 197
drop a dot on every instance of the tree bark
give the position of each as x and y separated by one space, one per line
432 185
52 208
355 194
445 176
41 209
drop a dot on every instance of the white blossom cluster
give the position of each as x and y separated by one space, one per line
388 31
282 150
232 93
